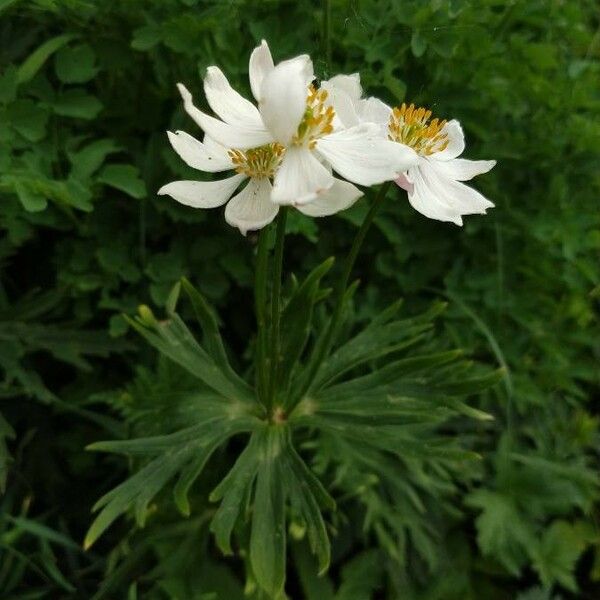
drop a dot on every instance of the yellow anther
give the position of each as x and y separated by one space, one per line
257 162
411 126
317 120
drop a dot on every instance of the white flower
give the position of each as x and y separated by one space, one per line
249 209
299 117
433 184
246 146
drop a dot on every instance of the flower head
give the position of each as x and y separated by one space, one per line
303 119
433 183
249 209
300 118
240 140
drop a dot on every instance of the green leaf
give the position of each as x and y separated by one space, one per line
146 37
77 103
418 44
29 119
502 531
41 531
297 223
361 576
380 337
48 561
395 85
188 476
31 200
537 593
268 534
185 452
77 195
557 553
468 387
36 59
76 64
296 319
235 487
303 489
173 339
212 338
173 298
314 587
307 478
153 446
87 160
138 490
394 373
125 178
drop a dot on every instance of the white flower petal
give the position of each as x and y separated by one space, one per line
350 84
340 196
405 183
344 106
227 103
283 96
300 177
461 169
430 201
456 141
227 135
202 194
252 208
195 154
360 155
373 110
438 197
261 64
215 149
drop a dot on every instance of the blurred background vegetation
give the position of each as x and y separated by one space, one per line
87 91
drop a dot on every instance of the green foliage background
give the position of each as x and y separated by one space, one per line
87 90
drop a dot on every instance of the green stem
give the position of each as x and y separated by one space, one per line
323 345
275 304
260 304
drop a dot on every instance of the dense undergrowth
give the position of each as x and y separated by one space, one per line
87 90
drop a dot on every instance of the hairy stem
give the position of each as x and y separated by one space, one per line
260 304
275 305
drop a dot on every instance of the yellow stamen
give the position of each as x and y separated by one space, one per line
257 162
411 126
317 120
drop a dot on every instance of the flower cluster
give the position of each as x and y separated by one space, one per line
287 147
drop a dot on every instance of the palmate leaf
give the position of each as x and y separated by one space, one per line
183 453
391 404
381 337
173 339
381 399
383 396
270 474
